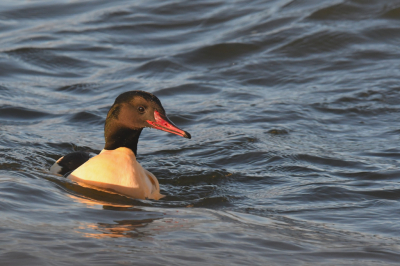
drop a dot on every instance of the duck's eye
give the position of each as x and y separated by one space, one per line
141 109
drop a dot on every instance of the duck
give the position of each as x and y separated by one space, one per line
115 168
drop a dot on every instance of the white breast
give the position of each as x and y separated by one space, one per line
118 170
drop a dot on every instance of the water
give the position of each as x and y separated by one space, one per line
293 107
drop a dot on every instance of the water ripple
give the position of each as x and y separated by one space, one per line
293 108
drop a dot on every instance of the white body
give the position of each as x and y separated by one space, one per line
118 170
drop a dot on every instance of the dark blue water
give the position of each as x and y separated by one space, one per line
293 107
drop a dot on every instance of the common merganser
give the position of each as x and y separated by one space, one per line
116 167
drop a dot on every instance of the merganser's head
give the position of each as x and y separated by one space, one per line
131 112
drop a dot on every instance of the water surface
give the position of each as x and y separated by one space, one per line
293 107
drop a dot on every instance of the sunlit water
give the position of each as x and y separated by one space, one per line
293 107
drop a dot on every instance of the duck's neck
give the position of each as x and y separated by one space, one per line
122 137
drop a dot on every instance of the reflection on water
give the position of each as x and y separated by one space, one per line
119 228
125 228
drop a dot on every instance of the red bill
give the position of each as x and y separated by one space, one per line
163 123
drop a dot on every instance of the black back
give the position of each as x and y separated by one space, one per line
72 160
